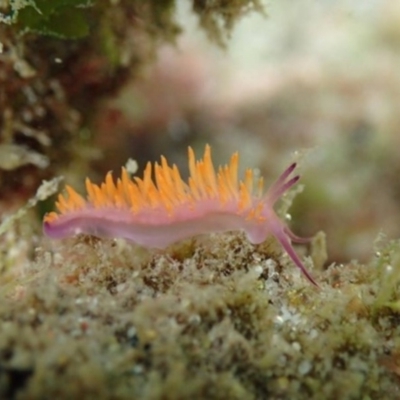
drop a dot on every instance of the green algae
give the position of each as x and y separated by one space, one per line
105 318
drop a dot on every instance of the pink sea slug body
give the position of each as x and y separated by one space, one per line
157 214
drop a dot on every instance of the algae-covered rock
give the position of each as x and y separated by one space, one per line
220 318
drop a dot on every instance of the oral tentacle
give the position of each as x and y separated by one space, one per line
297 239
279 232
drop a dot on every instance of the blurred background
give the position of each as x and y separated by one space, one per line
315 80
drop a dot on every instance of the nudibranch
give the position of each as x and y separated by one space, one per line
156 213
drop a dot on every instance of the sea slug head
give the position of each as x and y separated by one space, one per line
267 221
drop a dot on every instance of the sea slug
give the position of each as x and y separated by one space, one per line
157 213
